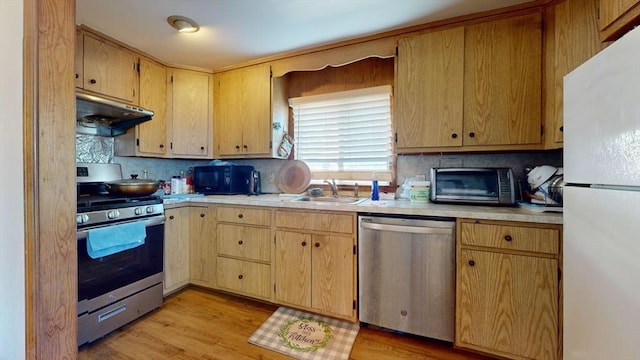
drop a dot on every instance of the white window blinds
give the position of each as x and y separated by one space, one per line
344 131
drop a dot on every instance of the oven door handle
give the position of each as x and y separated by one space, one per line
152 221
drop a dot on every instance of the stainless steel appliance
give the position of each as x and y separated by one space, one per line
222 179
479 186
96 115
406 274
122 285
601 201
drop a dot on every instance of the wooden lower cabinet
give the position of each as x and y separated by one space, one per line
315 266
202 246
507 289
243 251
176 249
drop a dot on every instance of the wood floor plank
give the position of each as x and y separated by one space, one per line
198 324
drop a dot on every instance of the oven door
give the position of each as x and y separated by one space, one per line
115 273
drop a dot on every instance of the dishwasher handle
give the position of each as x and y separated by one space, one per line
406 229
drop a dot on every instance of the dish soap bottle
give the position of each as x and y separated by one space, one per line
375 196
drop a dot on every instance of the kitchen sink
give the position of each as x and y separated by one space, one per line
347 200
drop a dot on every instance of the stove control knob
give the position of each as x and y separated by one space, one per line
113 214
138 211
150 209
82 218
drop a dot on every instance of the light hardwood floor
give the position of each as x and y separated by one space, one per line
201 324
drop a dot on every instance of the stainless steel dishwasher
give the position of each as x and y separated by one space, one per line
406 269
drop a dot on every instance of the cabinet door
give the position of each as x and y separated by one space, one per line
152 135
256 110
191 119
576 40
507 304
429 90
176 248
333 274
293 268
201 246
616 17
227 119
109 70
502 90
78 62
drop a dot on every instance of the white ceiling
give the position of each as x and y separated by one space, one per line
233 31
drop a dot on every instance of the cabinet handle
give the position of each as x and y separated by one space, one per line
93 81
317 244
240 242
508 238
171 217
472 134
240 216
472 263
201 215
240 277
304 243
454 135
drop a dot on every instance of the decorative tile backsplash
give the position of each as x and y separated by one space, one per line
97 149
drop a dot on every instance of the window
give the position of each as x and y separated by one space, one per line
345 132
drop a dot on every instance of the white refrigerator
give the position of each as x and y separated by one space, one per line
601 252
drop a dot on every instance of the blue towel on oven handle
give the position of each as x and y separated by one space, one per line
116 238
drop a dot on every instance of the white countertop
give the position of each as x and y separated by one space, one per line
398 207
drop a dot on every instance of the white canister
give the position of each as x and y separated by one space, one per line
176 185
419 191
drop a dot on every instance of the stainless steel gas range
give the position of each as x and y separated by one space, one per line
120 253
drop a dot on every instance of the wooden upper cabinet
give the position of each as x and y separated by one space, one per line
109 69
152 135
502 90
79 56
617 17
191 113
429 103
242 118
574 38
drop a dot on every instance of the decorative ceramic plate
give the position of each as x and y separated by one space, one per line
294 177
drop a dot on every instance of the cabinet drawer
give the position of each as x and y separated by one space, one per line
340 223
243 215
511 237
244 277
246 242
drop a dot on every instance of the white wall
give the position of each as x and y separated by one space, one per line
12 277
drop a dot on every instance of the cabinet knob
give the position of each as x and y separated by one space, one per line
161 146
77 76
508 238
245 147
240 277
171 217
240 242
201 147
201 215
304 243
454 135
92 81
240 216
237 147
472 263
472 134
316 244
561 128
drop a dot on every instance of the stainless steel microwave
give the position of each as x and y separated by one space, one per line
222 179
480 186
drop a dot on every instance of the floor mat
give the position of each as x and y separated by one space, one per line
306 336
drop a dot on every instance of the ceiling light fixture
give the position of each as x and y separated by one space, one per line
183 24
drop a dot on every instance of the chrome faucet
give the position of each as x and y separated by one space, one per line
333 186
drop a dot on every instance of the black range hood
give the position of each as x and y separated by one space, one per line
96 115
